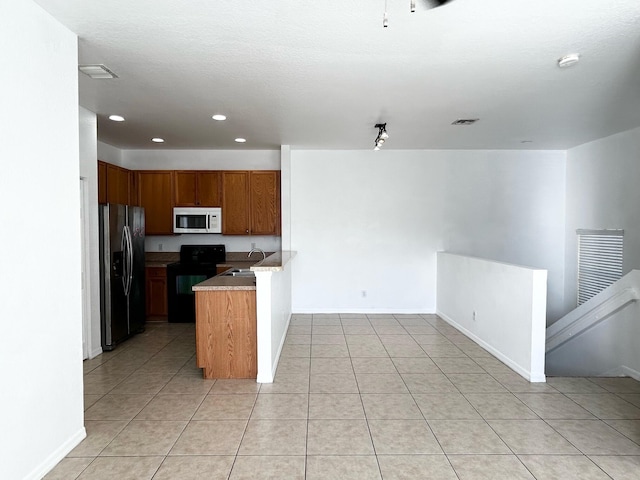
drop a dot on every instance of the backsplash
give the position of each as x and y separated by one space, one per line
232 243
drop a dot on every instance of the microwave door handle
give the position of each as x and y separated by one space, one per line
208 222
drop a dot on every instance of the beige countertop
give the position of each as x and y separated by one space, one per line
273 263
226 283
160 259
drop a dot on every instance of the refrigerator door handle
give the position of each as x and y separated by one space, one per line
130 239
128 260
123 266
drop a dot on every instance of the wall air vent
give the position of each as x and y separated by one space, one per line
465 121
97 71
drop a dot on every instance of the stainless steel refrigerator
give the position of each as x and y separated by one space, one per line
122 285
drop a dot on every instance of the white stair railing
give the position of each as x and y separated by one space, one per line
612 299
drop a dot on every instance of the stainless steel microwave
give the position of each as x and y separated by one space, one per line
197 220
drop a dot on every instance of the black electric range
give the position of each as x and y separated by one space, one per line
197 263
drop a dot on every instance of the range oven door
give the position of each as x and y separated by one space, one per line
181 299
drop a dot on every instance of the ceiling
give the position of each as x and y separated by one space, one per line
319 75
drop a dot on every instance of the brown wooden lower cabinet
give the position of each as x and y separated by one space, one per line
156 291
226 336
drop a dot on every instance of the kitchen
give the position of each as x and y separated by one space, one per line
207 206
49 422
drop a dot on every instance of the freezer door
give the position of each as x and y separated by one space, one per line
113 311
137 288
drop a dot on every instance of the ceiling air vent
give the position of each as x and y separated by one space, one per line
465 121
97 71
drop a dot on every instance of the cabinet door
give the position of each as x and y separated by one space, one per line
113 177
102 182
209 194
186 189
123 186
235 203
156 196
156 293
133 189
265 203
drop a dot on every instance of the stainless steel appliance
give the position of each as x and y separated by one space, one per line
197 220
197 263
122 285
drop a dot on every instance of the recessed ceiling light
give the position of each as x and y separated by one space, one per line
219 117
241 140
97 71
568 60
116 118
157 140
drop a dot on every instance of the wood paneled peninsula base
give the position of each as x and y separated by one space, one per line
226 336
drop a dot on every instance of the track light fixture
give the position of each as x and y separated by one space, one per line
382 135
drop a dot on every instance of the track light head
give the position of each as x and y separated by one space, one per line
382 135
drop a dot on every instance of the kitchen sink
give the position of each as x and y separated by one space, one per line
239 272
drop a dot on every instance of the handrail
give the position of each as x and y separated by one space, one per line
606 303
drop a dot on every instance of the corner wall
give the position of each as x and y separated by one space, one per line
41 401
602 192
89 172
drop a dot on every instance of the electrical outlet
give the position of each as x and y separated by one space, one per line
159 247
253 245
364 293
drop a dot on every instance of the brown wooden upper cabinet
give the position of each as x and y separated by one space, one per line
114 184
117 184
197 189
251 202
155 194
102 182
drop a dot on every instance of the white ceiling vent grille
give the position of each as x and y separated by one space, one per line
465 121
599 261
97 71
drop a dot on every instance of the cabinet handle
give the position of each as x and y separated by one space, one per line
247 230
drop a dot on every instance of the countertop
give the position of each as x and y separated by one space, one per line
226 283
160 259
273 263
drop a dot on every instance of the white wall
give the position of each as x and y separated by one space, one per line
373 221
110 154
500 306
161 159
41 402
89 172
602 192
273 305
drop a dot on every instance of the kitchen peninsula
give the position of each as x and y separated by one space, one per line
241 321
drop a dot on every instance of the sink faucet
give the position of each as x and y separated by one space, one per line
264 255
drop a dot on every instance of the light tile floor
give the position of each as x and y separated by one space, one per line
355 397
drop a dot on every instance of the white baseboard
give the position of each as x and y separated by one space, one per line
363 311
55 457
277 359
622 371
534 378
95 352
